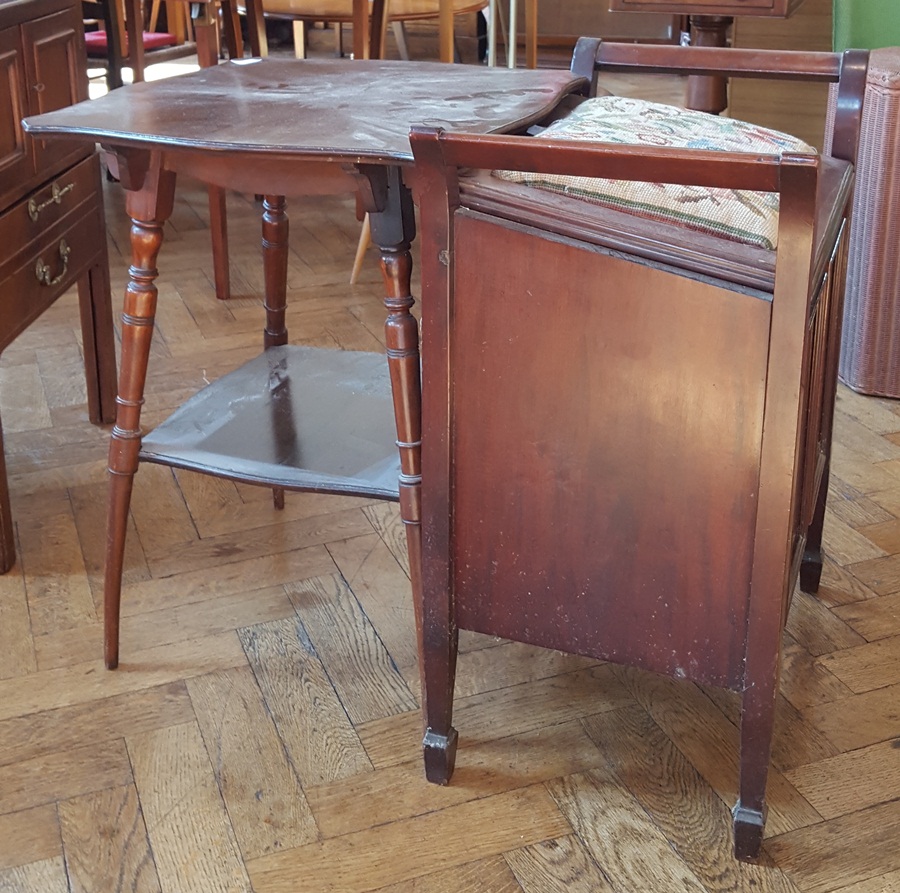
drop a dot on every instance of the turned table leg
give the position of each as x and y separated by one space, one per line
275 257
393 229
148 205
708 93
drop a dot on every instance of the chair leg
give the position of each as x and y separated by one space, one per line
531 33
206 35
299 29
365 239
231 25
445 30
112 24
380 12
256 28
512 38
218 230
399 30
496 28
134 26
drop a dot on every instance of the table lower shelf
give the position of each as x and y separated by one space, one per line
301 418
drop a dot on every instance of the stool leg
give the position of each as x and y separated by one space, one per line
757 724
833 306
760 690
811 565
148 209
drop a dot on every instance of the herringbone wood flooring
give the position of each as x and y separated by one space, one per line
262 731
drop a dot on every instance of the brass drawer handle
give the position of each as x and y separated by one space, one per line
56 195
42 271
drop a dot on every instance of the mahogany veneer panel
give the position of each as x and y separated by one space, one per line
631 578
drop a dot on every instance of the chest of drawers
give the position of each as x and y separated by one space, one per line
52 233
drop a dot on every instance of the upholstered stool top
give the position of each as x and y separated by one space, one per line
739 215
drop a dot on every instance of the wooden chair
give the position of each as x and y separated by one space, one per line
129 37
106 14
627 423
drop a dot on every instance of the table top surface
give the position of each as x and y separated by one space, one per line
329 109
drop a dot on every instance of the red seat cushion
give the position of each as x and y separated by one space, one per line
152 40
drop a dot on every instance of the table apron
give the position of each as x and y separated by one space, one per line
261 175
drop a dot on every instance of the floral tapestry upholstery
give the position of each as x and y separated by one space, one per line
741 215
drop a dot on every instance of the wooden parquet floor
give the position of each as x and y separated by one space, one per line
262 731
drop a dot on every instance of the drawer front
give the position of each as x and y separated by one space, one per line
32 217
53 264
703 7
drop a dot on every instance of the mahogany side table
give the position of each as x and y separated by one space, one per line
305 419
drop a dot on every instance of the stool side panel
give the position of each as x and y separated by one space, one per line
608 420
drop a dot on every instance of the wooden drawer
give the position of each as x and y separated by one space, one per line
31 218
708 7
49 267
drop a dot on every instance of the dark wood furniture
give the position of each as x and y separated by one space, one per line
778 8
709 24
52 232
626 424
287 128
560 24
